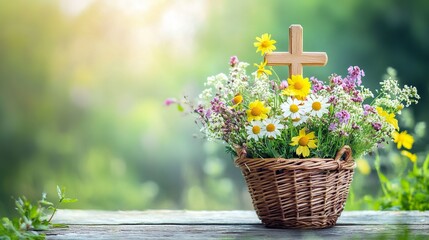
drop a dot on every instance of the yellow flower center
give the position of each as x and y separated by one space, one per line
303 141
293 108
271 127
316 106
298 85
256 129
237 99
256 111
265 44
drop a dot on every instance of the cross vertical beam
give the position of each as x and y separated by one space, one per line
296 58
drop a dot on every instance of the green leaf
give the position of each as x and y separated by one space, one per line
41 227
59 225
46 203
425 166
405 185
34 212
383 178
59 192
69 200
180 108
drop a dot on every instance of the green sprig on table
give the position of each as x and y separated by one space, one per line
32 217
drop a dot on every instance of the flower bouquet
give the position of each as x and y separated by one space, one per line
294 139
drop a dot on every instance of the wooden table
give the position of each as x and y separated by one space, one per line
169 224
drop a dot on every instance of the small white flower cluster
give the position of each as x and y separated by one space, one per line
226 86
213 130
392 96
261 88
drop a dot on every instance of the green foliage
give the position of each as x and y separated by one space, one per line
32 217
408 192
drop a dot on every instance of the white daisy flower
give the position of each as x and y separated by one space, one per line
298 121
317 105
255 130
272 127
292 108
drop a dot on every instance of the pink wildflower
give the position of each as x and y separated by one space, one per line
233 61
283 85
169 101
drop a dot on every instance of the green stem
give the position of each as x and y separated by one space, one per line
277 76
55 210
377 168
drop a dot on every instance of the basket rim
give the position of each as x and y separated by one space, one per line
299 163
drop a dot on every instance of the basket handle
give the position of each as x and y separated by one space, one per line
344 151
240 151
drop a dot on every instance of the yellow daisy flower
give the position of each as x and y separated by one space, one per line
305 142
388 117
265 44
261 69
298 87
403 139
257 111
363 166
237 99
411 156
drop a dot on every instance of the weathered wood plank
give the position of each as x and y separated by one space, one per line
225 217
172 224
237 231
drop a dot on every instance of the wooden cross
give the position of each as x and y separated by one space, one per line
296 58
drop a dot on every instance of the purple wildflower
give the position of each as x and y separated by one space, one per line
337 80
376 126
170 101
355 126
332 127
349 84
355 74
367 109
343 116
283 85
217 104
200 109
317 85
357 99
333 100
208 113
233 61
202 113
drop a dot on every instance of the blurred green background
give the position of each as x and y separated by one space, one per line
82 85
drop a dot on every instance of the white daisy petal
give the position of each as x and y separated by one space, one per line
317 105
272 127
255 130
292 108
298 121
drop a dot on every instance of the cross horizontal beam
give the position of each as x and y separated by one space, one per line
296 58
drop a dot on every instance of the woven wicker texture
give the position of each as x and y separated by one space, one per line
299 193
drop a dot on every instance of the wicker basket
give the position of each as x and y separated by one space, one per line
299 193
